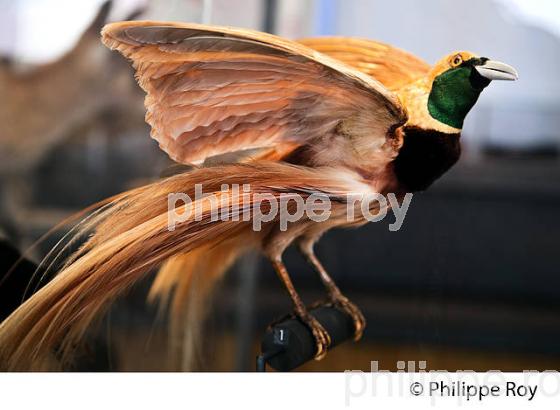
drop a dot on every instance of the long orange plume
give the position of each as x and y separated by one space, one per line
130 238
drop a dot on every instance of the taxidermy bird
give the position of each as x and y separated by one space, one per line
332 116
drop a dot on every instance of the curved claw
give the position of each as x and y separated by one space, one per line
357 317
322 338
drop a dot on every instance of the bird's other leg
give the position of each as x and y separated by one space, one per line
334 294
322 338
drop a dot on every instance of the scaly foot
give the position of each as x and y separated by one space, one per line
322 338
343 303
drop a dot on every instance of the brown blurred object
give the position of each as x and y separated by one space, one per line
44 106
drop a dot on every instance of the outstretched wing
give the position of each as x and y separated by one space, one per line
389 65
216 90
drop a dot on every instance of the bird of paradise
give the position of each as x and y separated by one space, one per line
333 116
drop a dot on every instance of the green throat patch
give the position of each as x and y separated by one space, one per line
454 93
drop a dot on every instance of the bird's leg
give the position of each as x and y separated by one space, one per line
334 294
322 338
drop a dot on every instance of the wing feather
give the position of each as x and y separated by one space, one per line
215 90
389 65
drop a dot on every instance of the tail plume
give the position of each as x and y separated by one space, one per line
184 284
130 237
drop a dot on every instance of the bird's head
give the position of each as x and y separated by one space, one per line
456 82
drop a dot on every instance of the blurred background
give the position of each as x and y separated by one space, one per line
471 281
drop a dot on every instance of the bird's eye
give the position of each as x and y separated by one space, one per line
457 60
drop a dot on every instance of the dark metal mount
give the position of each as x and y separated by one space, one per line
289 344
